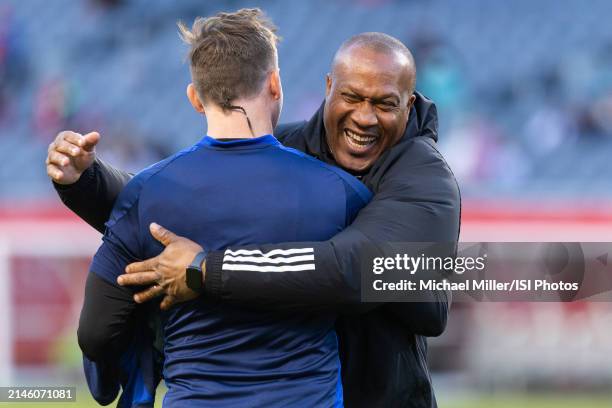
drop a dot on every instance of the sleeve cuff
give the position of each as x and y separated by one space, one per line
212 279
87 177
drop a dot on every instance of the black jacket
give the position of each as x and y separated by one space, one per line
383 347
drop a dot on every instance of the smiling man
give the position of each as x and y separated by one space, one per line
373 125
366 108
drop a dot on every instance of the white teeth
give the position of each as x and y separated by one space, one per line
359 141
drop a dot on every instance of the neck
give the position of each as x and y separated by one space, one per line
233 123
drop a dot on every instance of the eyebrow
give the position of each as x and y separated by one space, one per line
385 97
379 99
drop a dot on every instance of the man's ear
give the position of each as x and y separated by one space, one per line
276 88
328 84
194 99
410 102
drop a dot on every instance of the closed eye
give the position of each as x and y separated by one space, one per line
386 106
351 98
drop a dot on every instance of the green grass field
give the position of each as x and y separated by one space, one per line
84 400
530 401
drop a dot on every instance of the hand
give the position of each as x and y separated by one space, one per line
69 155
166 272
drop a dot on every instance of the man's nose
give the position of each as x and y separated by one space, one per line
365 116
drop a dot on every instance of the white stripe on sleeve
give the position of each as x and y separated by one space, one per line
271 253
261 259
281 260
269 268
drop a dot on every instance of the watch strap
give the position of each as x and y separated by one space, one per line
194 276
198 259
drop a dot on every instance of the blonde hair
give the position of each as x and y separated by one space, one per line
231 54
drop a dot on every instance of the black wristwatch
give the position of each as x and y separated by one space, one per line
193 275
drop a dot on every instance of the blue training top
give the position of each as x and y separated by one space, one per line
220 194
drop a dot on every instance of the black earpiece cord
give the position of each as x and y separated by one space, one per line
240 109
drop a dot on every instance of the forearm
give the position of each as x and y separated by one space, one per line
105 322
423 318
332 280
323 283
92 197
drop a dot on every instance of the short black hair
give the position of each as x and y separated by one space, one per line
379 42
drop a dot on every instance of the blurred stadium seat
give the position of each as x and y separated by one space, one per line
524 88
524 92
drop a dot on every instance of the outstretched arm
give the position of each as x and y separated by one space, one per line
85 184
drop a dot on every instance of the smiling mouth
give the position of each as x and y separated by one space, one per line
359 142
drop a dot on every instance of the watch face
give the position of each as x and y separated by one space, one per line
194 279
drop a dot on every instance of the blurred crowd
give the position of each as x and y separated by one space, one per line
510 132
524 93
